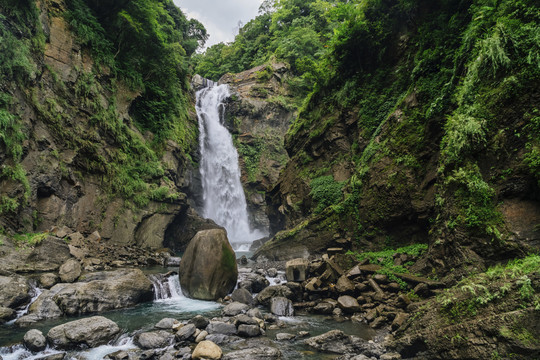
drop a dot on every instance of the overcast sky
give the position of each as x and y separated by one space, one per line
220 17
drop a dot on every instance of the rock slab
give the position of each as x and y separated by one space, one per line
91 332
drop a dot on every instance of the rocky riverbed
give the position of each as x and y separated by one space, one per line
86 302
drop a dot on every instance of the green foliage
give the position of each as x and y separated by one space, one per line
385 259
147 43
532 157
29 240
11 134
325 191
510 281
475 200
251 153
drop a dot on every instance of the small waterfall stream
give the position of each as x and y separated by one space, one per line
223 195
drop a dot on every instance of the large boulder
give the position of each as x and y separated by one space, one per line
208 269
14 291
91 332
103 291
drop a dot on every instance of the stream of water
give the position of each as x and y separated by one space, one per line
223 194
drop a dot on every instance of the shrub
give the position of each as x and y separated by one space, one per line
325 191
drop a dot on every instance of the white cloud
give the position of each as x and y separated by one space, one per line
220 17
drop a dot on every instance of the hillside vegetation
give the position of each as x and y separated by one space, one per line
90 95
419 123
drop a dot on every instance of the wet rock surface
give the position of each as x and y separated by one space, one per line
91 332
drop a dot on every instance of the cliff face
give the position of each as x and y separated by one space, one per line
82 161
258 115
422 136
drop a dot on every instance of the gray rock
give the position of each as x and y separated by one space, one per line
34 340
42 308
208 269
242 295
258 353
154 339
172 261
59 356
249 330
323 308
234 309
245 319
70 271
297 291
348 304
6 314
334 341
254 283
166 324
91 332
269 292
202 336
218 327
48 280
281 306
285 336
255 312
101 291
218 338
185 332
14 291
199 321
272 272
118 355
344 285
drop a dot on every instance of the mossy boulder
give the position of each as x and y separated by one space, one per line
208 269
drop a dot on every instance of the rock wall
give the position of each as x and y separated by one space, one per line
76 121
258 115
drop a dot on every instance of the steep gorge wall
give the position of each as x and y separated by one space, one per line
421 137
83 162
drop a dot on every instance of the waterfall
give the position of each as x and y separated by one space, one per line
166 286
223 195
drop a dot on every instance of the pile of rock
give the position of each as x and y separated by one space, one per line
340 286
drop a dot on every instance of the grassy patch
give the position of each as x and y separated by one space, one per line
29 240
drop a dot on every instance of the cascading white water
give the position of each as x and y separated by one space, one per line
223 195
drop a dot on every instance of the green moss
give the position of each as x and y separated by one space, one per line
228 258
